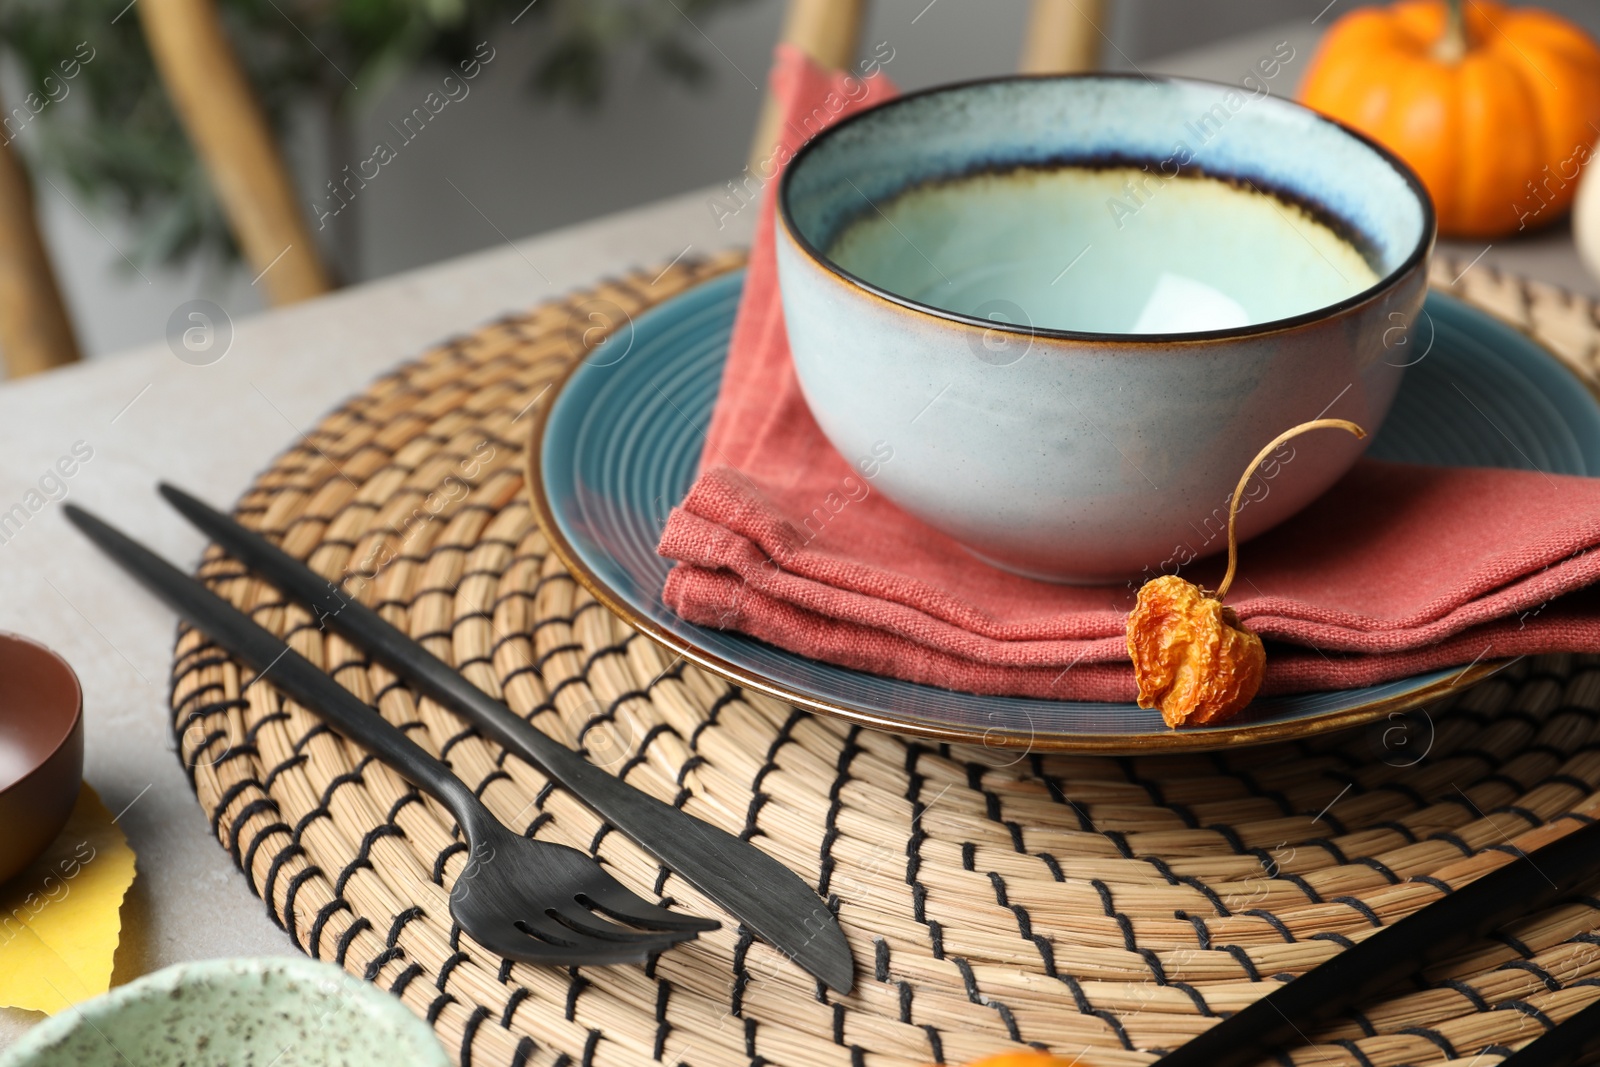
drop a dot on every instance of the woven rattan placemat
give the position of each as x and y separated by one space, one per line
1100 907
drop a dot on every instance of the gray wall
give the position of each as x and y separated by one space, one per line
501 164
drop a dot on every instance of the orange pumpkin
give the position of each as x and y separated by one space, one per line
1495 107
1023 1059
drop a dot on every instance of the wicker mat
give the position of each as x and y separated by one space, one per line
1103 908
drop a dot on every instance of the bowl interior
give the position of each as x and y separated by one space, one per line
1106 205
40 702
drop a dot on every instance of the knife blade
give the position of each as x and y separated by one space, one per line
758 890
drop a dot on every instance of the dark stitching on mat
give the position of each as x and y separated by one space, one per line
1534 821
1355 1050
1509 850
1244 961
733 693
1513 943
233 792
1449 837
1303 885
1273 921
830 822
1534 969
247 862
489 779
591 1043
1398 827
1438 883
1524 1008
663 1027
1200 930
1337 938
343 948
440 1002
741 975
1231 838
400 921
576 984
618 649
518 995
324 913
1360 906
1194 995
453 740
469 1031
1119 840
383 959
1377 865
438 864
1059 795
1332 849
291 923
1466 991
1206 891
454 960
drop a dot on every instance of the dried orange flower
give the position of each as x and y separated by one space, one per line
1192 658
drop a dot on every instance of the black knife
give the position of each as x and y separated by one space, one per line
750 885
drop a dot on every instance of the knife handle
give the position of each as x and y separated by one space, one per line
290 672
337 610
767 896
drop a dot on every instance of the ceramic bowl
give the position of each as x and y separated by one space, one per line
41 749
1056 317
283 1012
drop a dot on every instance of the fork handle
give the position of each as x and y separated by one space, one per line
289 671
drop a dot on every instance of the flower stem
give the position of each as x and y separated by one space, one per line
1238 492
1452 47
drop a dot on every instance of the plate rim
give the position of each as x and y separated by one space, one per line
1001 738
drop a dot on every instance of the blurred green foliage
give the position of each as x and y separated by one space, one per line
116 141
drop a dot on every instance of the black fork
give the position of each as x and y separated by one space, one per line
526 899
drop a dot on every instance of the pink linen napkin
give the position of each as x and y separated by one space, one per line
1396 570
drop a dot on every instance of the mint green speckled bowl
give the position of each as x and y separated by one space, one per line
267 1012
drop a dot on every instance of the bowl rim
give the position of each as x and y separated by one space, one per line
59 1027
1416 257
73 722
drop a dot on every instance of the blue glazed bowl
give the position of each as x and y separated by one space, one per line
1074 308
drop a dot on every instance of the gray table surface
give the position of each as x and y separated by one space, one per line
149 416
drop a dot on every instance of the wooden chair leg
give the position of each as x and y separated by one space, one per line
225 123
829 31
1063 36
35 331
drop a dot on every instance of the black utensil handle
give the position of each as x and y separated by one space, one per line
767 896
338 610
1369 967
285 668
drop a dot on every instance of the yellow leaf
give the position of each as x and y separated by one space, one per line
61 918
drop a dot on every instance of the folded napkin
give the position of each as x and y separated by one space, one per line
1396 570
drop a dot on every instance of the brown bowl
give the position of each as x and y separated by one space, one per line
41 749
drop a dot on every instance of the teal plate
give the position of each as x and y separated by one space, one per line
618 444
